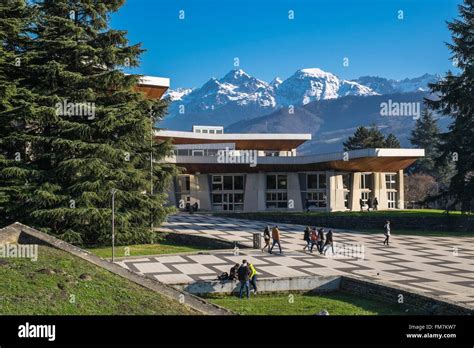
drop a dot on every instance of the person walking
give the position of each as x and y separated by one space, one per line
386 228
306 238
253 278
361 203
369 203
320 240
314 238
244 278
375 204
266 238
329 242
276 238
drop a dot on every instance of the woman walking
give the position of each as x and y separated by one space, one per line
386 228
266 238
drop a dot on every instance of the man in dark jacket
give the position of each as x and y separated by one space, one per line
320 241
306 238
328 243
244 278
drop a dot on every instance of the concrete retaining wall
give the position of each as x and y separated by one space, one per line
412 300
316 284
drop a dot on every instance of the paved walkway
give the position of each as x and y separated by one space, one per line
440 266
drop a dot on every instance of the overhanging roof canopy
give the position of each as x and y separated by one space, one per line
248 141
365 160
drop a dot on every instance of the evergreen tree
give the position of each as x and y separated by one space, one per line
392 142
425 136
86 128
15 170
364 138
456 99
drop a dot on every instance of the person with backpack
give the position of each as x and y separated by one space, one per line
375 204
244 278
314 238
276 238
320 240
253 278
386 228
233 272
306 238
266 238
329 242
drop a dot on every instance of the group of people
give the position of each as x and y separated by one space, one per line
314 237
275 235
247 276
372 203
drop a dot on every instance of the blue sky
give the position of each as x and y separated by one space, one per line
268 44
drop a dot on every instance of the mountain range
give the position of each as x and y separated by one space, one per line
310 101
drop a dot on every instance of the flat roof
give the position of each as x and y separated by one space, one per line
364 160
153 86
243 141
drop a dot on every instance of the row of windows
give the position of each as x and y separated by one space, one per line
227 182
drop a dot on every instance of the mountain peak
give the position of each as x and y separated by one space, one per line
235 74
314 72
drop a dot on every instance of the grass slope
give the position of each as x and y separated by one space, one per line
307 304
163 247
49 285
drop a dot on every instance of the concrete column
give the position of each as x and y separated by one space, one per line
335 191
383 199
171 193
401 190
355 192
294 192
261 192
200 191
251 192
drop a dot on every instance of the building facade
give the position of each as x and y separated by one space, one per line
263 172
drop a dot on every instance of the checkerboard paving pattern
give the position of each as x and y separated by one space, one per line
440 266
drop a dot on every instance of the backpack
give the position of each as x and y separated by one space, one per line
223 276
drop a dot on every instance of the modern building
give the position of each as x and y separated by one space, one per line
263 172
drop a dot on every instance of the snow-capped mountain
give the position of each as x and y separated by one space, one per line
177 94
307 85
238 96
382 85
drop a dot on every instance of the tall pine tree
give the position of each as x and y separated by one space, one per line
425 136
456 99
15 171
87 131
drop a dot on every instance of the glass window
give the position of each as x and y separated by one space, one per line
282 182
216 198
322 181
366 181
238 182
346 181
227 182
390 181
271 182
312 180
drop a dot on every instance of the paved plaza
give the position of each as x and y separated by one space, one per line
439 266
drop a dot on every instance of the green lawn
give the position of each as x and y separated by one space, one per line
52 286
163 247
306 304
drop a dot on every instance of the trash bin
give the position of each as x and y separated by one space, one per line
257 240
